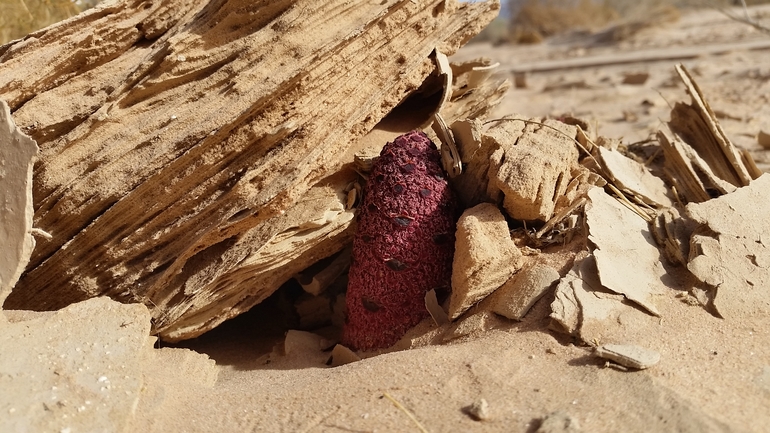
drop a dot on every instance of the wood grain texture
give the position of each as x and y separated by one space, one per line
177 138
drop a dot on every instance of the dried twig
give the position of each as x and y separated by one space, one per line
406 411
746 19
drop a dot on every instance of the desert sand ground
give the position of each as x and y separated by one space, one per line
714 374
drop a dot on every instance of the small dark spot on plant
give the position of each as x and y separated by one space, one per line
425 192
398 188
403 220
408 168
396 265
370 305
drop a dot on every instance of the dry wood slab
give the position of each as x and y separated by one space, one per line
17 154
176 141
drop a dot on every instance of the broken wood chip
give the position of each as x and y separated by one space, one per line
628 355
626 254
698 126
632 177
450 157
341 355
17 155
437 312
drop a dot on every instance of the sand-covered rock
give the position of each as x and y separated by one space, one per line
485 257
514 299
526 164
730 251
88 367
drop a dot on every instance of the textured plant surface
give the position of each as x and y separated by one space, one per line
404 243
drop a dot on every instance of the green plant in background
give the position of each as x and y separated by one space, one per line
20 17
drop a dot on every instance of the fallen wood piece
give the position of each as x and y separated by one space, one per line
697 125
524 163
628 355
688 172
626 255
17 156
176 139
637 57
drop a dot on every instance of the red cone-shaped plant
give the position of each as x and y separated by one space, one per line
404 243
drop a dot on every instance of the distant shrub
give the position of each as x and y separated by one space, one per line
20 17
538 19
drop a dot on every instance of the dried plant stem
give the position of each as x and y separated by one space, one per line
406 411
746 19
629 204
560 216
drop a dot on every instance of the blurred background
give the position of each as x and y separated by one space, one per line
531 21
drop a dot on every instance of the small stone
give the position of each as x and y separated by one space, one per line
635 78
558 422
341 355
485 257
515 298
479 410
473 324
628 355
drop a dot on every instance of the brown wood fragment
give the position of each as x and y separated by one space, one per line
188 151
17 155
701 160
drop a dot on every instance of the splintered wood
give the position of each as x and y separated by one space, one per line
701 162
188 150
17 154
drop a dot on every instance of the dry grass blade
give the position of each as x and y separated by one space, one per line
406 411
746 18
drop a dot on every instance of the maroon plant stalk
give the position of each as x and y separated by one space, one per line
404 243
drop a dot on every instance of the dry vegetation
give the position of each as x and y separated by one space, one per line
20 17
534 20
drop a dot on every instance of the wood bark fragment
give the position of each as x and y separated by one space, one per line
701 161
177 137
17 154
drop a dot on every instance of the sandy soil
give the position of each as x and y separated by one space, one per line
714 374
